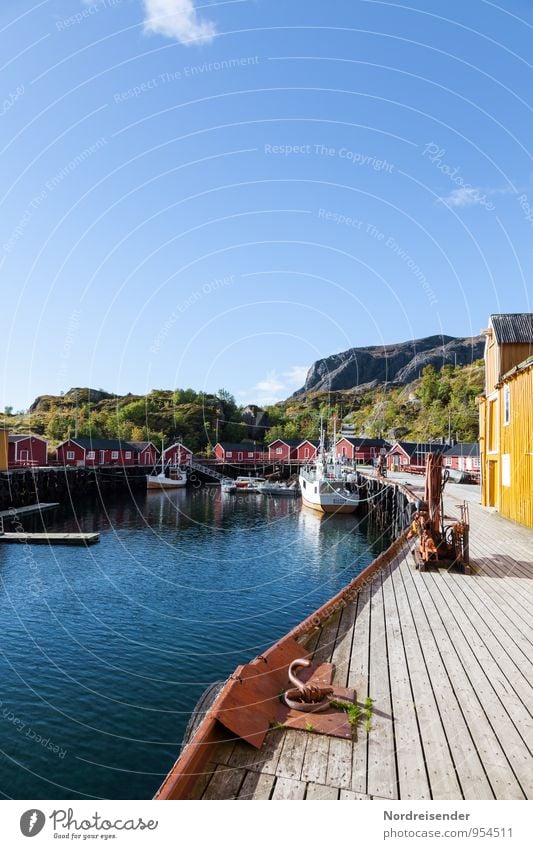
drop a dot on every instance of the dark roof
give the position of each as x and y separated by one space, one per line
90 443
412 448
513 328
463 449
357 441
240 446
292 443
140 446
16 437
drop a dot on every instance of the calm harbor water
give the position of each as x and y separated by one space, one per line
105 651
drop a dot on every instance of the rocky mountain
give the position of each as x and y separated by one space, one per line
389 364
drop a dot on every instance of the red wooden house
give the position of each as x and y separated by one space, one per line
413 455
178 455
27 450
464 457
238 452
361 450
86 451
306 450
283 450
145 453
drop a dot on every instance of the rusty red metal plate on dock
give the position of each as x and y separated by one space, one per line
249 706
332 721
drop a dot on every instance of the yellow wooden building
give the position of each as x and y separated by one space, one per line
506 417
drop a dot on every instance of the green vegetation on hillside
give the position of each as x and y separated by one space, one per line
436 404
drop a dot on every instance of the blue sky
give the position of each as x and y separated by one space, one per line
218 194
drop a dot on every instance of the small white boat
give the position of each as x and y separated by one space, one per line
161 481
228 485
247 483
278 488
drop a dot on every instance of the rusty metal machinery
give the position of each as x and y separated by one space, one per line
439 544
304 696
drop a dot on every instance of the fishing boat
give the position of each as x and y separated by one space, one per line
161 481
327 485
278 488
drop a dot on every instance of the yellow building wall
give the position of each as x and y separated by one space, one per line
516 449
3 450
492 370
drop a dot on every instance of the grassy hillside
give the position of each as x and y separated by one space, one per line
423 409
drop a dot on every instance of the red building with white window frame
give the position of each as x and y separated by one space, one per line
412 455
237 452
306 450
178 455
24 449
464 457
146 453
84 451
361 450
283 450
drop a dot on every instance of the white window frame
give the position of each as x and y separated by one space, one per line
229 453
279 450
114 455
127 455
251 454
506 405
90 455
71 455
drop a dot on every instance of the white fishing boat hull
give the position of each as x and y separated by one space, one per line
328 503
277 489
327 495
162 482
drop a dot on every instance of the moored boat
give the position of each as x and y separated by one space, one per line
160 481
279 488
327 485
228 485
248 483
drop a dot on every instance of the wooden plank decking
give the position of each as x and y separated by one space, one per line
448 660
50 538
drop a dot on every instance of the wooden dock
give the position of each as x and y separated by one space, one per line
50 538
448 660
15 512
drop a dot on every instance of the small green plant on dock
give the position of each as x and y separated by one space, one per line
309 727
276 726
369 708
353 711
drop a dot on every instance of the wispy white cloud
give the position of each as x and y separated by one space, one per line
177 19
270 384
296 375
463 197
275 386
